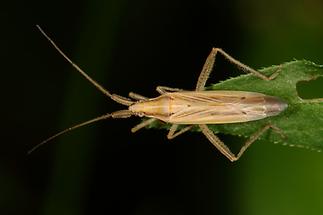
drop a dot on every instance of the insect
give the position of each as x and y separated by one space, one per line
192 108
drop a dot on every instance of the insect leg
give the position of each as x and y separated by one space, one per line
137 96
121 100
163 89
172 131
142 124
209 64
217 143
256 135
226 151
318 100
276 73
206 70
242 66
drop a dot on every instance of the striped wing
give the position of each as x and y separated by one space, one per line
218 107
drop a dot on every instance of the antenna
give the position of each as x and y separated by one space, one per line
105 116
117 98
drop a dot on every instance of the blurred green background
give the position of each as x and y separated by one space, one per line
135 46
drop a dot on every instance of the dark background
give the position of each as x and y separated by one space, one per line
136 46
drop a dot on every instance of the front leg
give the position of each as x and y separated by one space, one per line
162 89
137 96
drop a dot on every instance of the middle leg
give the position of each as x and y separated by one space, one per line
143 124
172 131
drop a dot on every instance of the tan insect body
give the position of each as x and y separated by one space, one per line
193 108
209 107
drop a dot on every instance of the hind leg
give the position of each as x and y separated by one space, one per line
210 62
226 151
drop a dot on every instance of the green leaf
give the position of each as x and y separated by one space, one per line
301 122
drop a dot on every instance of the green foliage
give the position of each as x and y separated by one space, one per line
301 122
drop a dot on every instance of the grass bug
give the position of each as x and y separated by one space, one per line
192 108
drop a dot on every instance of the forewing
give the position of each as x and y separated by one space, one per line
218 107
